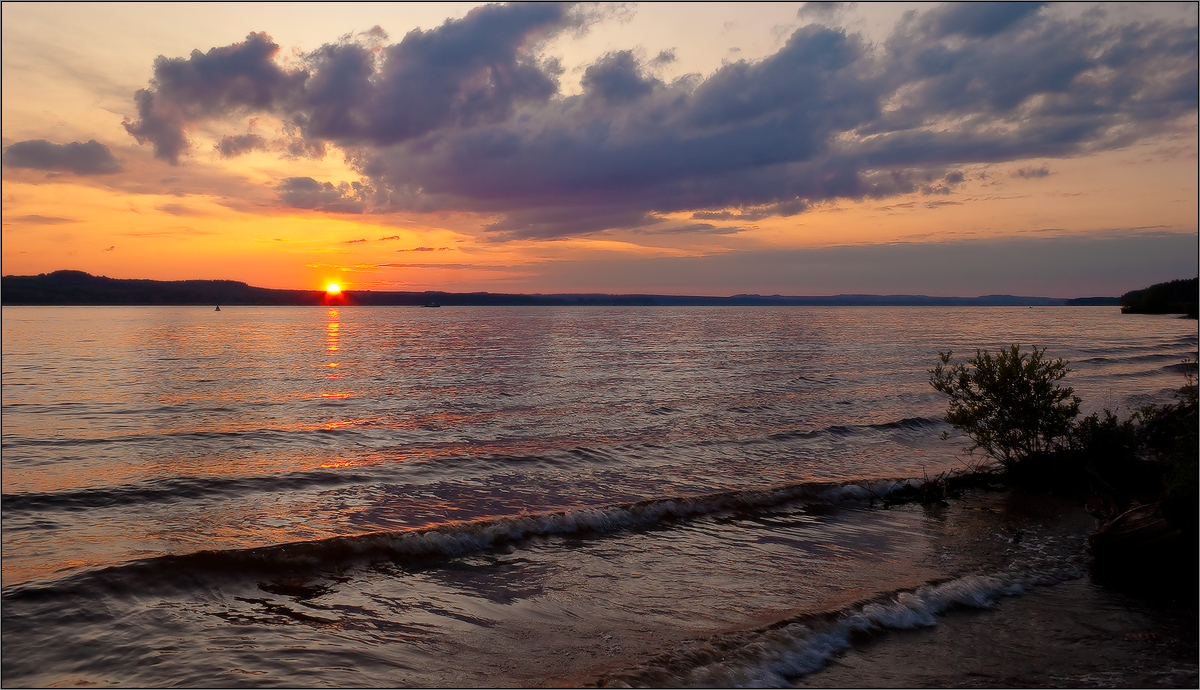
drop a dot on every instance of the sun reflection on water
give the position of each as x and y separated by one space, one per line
333 344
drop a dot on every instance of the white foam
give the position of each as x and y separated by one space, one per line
795 649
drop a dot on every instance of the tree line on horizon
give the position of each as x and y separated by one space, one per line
67 287
1174 297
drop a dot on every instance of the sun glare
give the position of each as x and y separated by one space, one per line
333 289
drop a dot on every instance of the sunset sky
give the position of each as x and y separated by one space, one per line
711 149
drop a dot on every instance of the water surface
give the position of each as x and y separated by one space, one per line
479 496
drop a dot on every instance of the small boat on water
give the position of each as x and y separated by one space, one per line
218 308
430 305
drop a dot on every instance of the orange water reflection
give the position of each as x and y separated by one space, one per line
333 343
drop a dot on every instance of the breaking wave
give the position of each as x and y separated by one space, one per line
459 538
772 656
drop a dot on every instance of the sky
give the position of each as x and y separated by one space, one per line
703 149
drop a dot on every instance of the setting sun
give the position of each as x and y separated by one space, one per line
333 289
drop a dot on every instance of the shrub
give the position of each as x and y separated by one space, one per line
1170 435
1010 406
1108 449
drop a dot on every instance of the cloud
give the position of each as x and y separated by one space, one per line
980 19
305 192
471 267
240 78
664 57
467 71
180 210
823 11
35 219
618 78
1032 173
91 158
468 117
702 228
233 146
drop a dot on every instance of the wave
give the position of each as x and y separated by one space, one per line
906 424
773 656
177 488
453 539
200 487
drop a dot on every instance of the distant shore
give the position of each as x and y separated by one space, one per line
76 288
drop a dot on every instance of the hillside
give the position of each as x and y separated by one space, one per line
79 288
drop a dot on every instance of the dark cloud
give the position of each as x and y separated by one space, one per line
980 19
1032 173
470 71
664 57
233 146
91 158
692 228
823 11
466 72
305 192
466 117
618 78
236 79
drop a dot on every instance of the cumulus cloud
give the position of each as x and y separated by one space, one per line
618 78
91 158
469 117
235 79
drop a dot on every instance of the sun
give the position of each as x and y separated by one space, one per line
333 289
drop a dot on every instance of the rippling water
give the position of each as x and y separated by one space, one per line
378 496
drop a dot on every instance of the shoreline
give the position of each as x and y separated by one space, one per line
1075 632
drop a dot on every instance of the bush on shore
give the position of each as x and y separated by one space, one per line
1012 407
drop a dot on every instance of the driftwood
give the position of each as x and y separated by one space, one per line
1135 537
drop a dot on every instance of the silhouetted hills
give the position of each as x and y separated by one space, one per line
79 288
1175 297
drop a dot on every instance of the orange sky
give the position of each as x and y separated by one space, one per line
994 173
